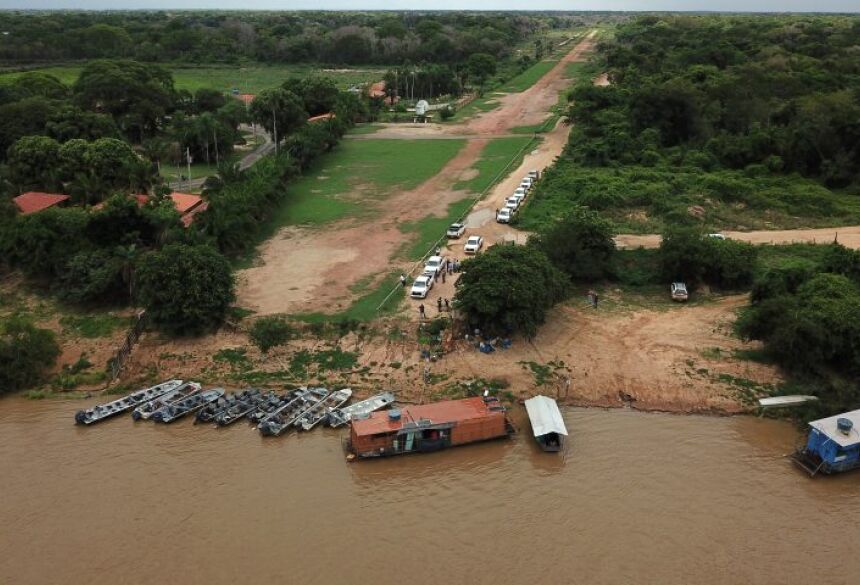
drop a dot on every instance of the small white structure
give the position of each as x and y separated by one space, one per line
547 423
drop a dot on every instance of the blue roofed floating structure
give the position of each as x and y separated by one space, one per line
547 423
833 444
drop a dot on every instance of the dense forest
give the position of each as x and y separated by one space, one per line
269 37
742 121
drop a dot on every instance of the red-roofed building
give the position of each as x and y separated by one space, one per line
321 117
34 201
188 206
429 427
377 90
245 98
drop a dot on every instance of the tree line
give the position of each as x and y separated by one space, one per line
268 37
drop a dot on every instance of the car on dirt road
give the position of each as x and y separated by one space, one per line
521 191
455 230
473 244
504 215
421 287
526 183
519 198
534 175
512 203
678 291
718 236
434 266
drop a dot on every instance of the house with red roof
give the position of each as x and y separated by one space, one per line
321 117
35 201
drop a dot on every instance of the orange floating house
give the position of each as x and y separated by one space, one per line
429 427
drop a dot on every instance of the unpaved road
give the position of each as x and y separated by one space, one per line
848 236
313 269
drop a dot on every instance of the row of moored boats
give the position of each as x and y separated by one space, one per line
272 413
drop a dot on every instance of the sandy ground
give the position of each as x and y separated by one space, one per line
309 269
848 236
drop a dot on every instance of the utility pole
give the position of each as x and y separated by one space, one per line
275 127
188 162
215 140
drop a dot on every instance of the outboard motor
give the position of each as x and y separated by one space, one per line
844 425
81 417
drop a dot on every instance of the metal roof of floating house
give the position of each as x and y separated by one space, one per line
545 416
436 413
828 426
35 201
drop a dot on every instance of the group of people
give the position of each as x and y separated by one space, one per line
440 302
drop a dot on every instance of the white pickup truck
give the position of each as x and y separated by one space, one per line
434 266
504 215
421 287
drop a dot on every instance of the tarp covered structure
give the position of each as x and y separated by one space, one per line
545 416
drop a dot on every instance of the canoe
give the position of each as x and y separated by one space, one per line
103 411
173 412
273 403
778 401
320 411
341 416
282 419
229 400
242 408
148 408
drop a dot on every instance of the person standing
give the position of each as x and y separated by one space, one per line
447 305
403 280
439 304
421 314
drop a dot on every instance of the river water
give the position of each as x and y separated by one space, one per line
637 499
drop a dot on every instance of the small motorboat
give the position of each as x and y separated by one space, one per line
242 408
320 411
103 411
272 404
213 409
282 419
172 412
340 416
148 408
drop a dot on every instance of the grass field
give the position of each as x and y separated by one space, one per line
498 155
364 307
527 78
247 79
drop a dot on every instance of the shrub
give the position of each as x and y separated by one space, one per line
185 289
581 245
269 332
509 288
25 353
686 254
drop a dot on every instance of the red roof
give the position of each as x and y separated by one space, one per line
141 201
377 90
33 201
436 412
188 218
327 116
185 202
246 98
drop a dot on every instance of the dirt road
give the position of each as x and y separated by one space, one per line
848 236
311 269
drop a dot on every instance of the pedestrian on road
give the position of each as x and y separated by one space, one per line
403 280
421 314
450 265
443 277
439 304
447 305
596 298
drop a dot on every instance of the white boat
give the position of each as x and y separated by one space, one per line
547 423
103 411
340 416
778 401
319 411
148 408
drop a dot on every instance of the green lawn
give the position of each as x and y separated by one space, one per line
364 308
247 79
528 78
358 175
495 157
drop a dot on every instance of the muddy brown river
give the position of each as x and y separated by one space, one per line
637 499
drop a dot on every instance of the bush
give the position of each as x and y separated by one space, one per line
687 255
581 245
509 288
446 113
41 244
269 332
92 276
186 289
25 353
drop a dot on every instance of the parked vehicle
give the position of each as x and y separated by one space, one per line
193 403
455 230
526 183
103 411
434 266
473 244
421 287
718 236
504 215
534 175
150 407
359 410
679 291
519 197
320 411
521 191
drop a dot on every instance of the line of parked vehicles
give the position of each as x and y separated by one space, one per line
423 284
512 203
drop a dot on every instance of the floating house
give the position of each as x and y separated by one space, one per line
833 444
429 427
547 423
